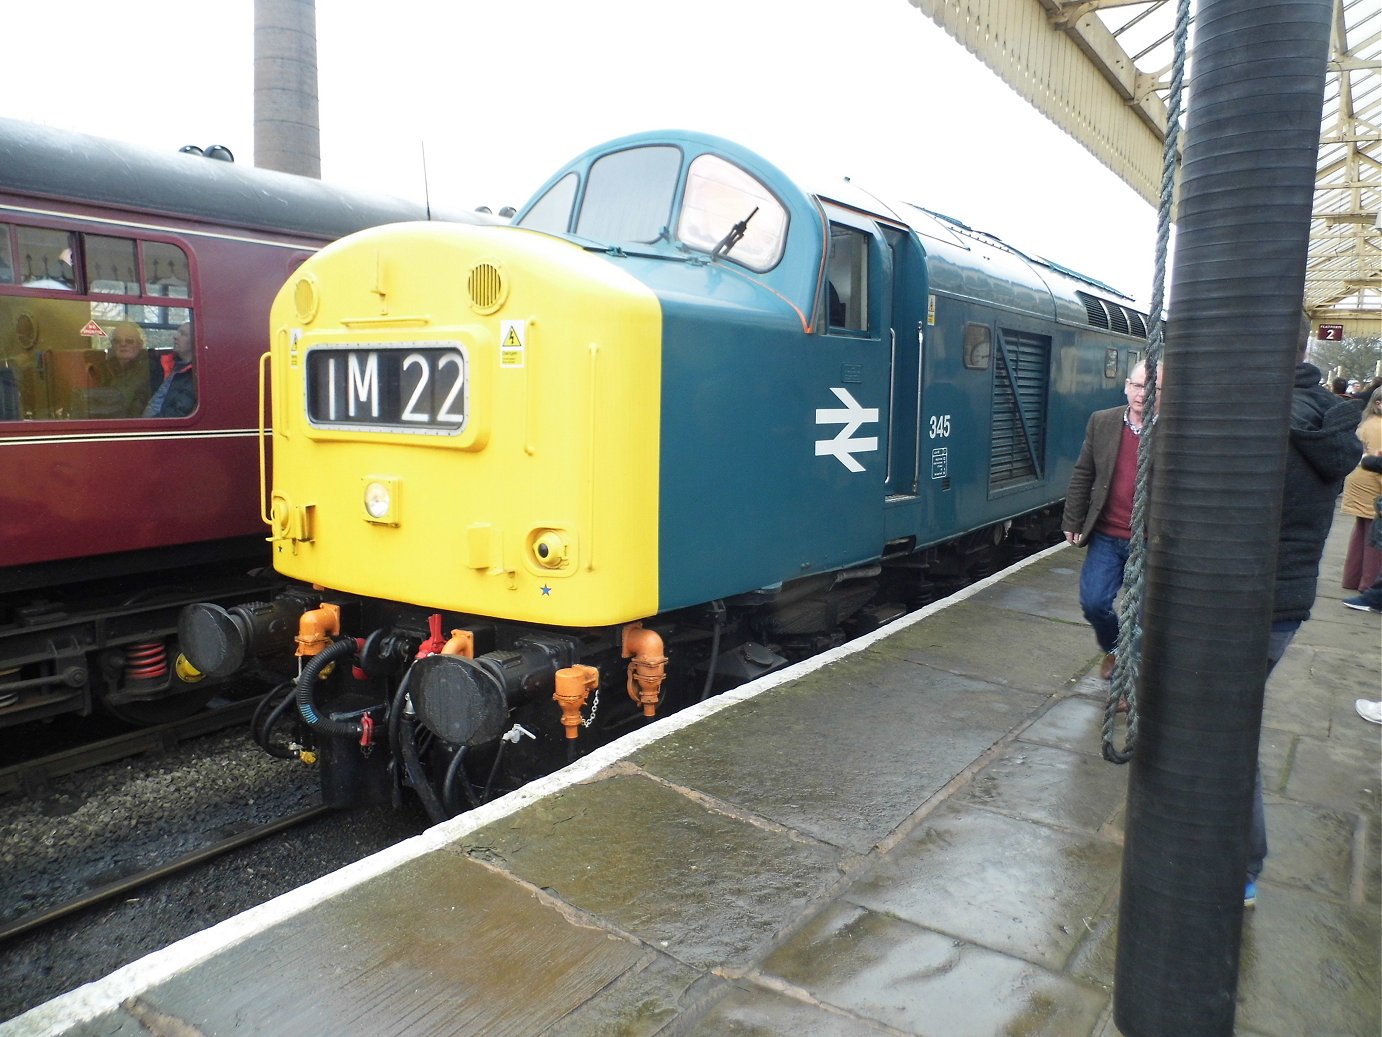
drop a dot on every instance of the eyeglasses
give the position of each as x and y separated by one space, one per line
1137 385
126 342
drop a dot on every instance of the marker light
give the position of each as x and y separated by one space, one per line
549 549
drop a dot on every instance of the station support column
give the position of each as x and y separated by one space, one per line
1247 186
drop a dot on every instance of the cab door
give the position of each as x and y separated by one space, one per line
867 259
858 290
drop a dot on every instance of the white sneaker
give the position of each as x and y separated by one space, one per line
1369 710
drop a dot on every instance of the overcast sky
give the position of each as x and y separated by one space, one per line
498 95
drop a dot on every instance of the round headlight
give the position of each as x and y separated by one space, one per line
377 500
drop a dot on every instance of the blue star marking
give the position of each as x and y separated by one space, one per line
546 591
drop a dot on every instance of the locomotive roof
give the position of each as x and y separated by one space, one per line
951 233
45 162
957 250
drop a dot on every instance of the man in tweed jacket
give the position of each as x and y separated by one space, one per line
1098 508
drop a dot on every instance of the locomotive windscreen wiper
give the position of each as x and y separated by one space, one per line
736 233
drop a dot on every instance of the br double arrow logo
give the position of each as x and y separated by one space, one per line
843 446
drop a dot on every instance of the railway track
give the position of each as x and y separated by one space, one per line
130 883
33 777
119 860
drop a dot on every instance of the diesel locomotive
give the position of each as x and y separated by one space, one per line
680 424
115 512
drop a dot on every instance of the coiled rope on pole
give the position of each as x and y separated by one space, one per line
1123 685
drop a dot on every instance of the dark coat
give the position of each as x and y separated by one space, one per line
176 396
1089 483
1323 449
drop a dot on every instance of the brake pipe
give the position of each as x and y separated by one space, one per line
648 667
574 685
316 628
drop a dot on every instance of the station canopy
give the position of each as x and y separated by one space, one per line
1101 70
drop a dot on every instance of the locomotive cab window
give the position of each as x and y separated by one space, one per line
728 212
552 212
111 346
847 279
628 195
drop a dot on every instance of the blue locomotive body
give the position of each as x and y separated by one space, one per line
885 382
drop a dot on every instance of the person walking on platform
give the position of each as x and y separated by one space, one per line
1322 449
1363 486
1098 508
1370 597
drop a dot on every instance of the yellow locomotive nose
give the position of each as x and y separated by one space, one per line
483 373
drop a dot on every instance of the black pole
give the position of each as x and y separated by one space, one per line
1247 183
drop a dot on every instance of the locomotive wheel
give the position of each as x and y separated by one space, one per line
166 710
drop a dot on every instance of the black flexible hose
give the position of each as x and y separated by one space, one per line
489 782
263 706
262 727
456 769
719 608
414 774
306 685
396 705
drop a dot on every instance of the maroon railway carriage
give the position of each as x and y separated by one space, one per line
129 461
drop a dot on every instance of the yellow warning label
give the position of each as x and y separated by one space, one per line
512 339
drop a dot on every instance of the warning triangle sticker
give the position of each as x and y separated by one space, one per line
512 339
93 330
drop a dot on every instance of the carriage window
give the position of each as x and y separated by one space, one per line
116 350
45 258
111 266
552 212
628 195
719 196
165 269
165 276
6 255
847 280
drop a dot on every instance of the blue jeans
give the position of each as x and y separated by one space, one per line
1277 642
1101 577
